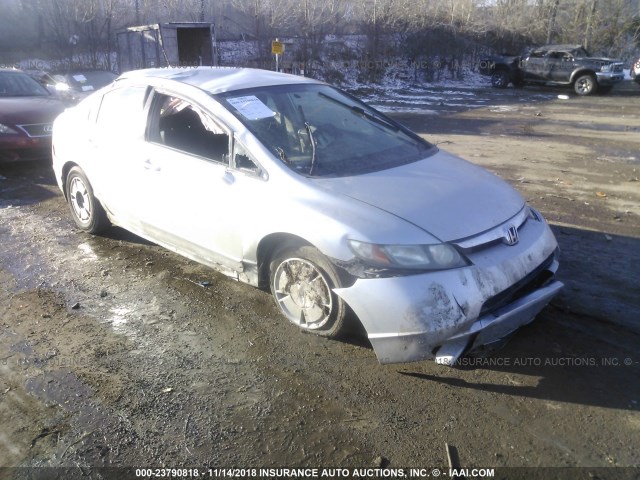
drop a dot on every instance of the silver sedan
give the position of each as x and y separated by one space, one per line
289 184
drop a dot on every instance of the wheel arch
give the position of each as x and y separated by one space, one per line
268 246
65 173
584 71
272 243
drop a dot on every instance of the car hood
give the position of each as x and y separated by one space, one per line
29 110
603 60
444 195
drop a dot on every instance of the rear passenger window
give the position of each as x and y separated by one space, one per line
178 124
121 114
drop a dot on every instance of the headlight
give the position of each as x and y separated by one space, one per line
4 130
534 214
606 68
440 256
62 87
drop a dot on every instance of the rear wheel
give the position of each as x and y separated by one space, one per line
500 79
302 282
85 209
585 85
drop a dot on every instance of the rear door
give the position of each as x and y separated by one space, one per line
117 148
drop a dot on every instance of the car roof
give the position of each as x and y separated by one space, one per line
79 70
559 47
220 79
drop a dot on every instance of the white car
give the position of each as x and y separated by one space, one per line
635 71
289 184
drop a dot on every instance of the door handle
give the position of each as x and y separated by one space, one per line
228 177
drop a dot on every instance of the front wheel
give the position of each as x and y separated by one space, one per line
585 85
85 209
500 79
302 282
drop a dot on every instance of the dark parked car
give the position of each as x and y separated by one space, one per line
43 77
73 86
569 65
27 112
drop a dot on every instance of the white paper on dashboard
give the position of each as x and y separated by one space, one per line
251 107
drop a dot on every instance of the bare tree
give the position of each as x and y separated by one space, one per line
426 28
591 19
551 24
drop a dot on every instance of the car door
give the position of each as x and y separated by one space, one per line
533 67
198 202
116 150
560 66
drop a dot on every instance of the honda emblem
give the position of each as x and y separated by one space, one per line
511 236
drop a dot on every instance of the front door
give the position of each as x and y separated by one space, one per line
191 205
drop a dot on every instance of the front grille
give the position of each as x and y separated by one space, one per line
37 129
494 236
528 284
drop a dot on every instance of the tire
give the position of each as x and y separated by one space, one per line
302 282
500 79
585 85
86 210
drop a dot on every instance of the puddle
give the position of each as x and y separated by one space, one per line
503 108
60 387
119 319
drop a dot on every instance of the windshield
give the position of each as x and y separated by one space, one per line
18 84
318 130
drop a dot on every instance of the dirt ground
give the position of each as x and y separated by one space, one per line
112 354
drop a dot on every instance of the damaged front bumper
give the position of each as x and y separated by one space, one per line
497 325
609 78
441 315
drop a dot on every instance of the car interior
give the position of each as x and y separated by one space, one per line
183 127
